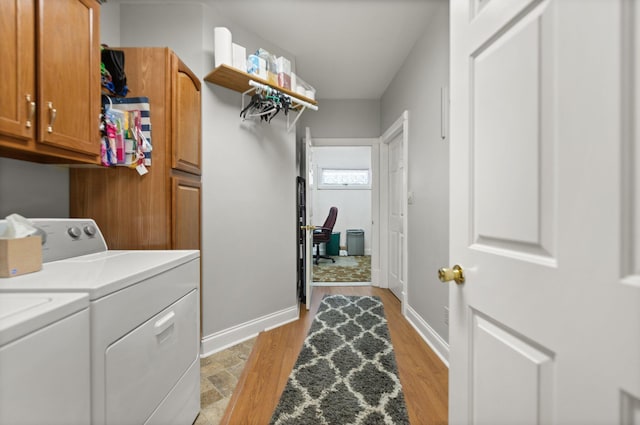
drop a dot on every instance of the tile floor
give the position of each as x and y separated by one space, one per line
219 375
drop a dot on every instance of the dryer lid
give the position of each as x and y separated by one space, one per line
24 313
102 273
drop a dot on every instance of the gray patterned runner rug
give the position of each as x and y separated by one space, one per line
346 372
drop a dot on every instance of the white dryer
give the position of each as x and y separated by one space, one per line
144 321
44 359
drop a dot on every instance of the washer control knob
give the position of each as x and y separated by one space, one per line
89 230
74 232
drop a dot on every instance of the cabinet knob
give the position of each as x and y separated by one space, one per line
31 105
52 116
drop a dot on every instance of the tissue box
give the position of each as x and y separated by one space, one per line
283 65
20 256
257 66
239 55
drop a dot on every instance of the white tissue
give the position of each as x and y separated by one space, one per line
18 227
239 54
223 53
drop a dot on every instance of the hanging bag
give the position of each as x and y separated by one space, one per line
113 61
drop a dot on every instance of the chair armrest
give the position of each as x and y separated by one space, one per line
322 234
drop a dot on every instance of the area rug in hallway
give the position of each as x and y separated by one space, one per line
346 269
346 372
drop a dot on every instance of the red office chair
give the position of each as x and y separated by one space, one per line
323 234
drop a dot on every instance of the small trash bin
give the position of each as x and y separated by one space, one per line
333 246
355 241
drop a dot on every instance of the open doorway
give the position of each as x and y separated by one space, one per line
345 175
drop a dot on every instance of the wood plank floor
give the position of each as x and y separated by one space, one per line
423 375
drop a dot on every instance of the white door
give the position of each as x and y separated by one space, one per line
396 218
308 266
545 212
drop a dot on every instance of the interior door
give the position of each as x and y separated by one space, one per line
309 210
545 212
396 217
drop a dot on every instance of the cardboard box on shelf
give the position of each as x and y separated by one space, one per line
283 65
20 256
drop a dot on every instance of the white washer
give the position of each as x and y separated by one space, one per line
44 359
144 321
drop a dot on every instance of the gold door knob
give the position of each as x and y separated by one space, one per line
456 274
307 227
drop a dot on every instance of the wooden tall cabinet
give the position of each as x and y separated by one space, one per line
162 209
50 80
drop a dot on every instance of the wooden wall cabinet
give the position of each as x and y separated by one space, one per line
162 209
50 85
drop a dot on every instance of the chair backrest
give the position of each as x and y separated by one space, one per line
331 219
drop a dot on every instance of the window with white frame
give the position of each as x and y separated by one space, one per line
344 178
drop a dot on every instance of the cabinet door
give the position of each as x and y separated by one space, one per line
185 200
68 72
186 121
17 85
132 211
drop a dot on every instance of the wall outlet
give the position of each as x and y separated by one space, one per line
446 316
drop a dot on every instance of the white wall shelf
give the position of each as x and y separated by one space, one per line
237 80
244 83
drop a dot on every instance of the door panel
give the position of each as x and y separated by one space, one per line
69 114
526 372
513 146
396 217
17 85
186 151
544 212
630 200
185 199
631 144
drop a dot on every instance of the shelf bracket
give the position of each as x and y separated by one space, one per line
295 102
293 124
245 93
293 98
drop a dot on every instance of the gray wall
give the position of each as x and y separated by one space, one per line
178 26
343 118
249 169
110 24
416 88
33 190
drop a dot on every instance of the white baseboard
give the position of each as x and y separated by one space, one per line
226 338
431 337
375 278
